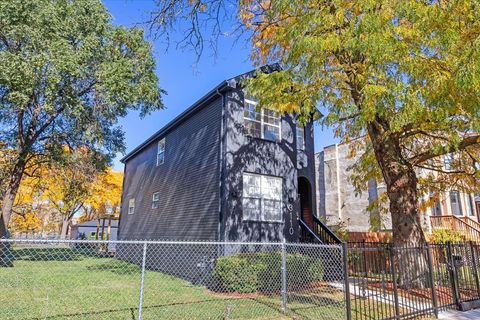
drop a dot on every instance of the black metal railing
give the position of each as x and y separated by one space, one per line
402 282
317 232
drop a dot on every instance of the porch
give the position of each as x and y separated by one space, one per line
466 227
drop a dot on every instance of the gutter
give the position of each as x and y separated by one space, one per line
177 120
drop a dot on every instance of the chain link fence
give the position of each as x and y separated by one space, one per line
55 279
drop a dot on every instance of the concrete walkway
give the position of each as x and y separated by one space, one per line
459 315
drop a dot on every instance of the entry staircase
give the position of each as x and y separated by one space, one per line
466 227
315 231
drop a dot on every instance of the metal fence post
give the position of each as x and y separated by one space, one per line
284 277
453 275
432 281
142 281
394 281
474 265
347 282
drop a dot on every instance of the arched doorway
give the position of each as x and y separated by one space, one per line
305 198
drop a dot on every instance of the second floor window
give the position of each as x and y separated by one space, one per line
300 137
161 152
131 206
261 122
155 200
448 161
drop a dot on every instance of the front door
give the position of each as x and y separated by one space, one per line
305 196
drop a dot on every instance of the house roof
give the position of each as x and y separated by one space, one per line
93 223
230 83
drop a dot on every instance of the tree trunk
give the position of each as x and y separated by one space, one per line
401 182
6 256
10 194
64 230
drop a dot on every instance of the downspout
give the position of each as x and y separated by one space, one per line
220 168
121 200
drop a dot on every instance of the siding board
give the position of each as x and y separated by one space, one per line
187 181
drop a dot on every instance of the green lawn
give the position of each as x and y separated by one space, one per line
62 283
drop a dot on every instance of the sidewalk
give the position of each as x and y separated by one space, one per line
459 315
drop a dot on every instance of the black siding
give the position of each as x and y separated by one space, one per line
188 182
245 154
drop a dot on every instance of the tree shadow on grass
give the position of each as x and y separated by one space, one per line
116 266
131 311
54 254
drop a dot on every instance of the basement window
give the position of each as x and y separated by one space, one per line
262 198
261 122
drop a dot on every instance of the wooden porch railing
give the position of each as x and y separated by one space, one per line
471 222
465 228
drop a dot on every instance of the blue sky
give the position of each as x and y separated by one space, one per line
184 79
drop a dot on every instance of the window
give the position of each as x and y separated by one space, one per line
448 161
300 137
262 197
155 200
470 208
260 122
161 152
131 206
437 209
437 206
455 203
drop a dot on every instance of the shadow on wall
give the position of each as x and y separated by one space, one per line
247 154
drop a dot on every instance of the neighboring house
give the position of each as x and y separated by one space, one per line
88 230
338 201
223 170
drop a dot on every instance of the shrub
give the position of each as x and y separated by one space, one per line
235 274
262 272
445 235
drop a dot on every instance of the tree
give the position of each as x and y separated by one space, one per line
28 222
66 76
105 196
68 184
403 74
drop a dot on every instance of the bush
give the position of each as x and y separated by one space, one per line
262 272
445 235
235 274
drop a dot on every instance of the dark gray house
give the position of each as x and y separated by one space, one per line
223 170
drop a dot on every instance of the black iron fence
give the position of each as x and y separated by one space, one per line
388 282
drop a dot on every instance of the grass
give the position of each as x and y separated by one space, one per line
63 283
